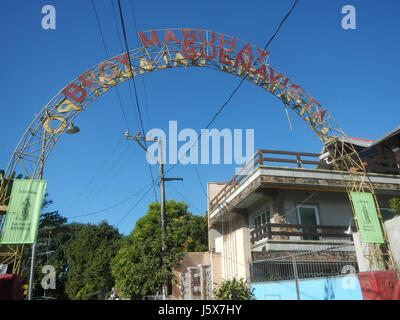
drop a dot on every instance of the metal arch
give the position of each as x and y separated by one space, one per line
39 139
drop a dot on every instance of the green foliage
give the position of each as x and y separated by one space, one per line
89 256
137 268
53 235
233 290
395 205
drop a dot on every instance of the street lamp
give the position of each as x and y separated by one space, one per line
71 129
349 230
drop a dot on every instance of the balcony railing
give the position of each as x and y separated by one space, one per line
336 260
260 158
285 231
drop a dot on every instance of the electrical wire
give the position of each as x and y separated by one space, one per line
141 120
104 178
247 74
121 46
108 56
229 98
118 95
130 67
135 205
134 88
184 198
77 201
142 78
221 108
110 207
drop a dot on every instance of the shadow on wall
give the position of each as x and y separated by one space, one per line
329 289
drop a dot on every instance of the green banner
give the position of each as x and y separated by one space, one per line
367 217
23 213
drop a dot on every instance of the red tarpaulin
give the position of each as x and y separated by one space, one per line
379 285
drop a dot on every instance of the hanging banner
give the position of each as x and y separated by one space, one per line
23 215
367 217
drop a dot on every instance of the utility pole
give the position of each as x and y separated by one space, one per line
138 138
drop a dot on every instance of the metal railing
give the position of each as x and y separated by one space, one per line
335 260
283 231
260 159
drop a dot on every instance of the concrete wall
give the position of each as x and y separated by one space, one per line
365 264
333 207
212 190
339 288
191 259
216 269
234 247
392 227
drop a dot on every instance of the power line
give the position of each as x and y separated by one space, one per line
130 67
108 56
228 100
121 46
112 206
141 120
242 80
105 178
134 206
247 74
134 88
201 184
142 78
184 198
77 201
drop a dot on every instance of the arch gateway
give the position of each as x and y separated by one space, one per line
184 47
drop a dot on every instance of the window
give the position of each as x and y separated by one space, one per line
308 215
260 219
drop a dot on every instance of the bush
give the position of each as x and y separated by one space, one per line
395 205
233 290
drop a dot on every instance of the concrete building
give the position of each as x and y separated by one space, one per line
277 223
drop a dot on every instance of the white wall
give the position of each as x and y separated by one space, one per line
234 247
392 227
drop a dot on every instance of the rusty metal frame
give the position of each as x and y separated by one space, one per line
37 143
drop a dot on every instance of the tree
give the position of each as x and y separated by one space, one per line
395 205
53 235
233 290
89 256
138 266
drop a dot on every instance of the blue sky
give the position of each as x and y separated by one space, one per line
352 73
